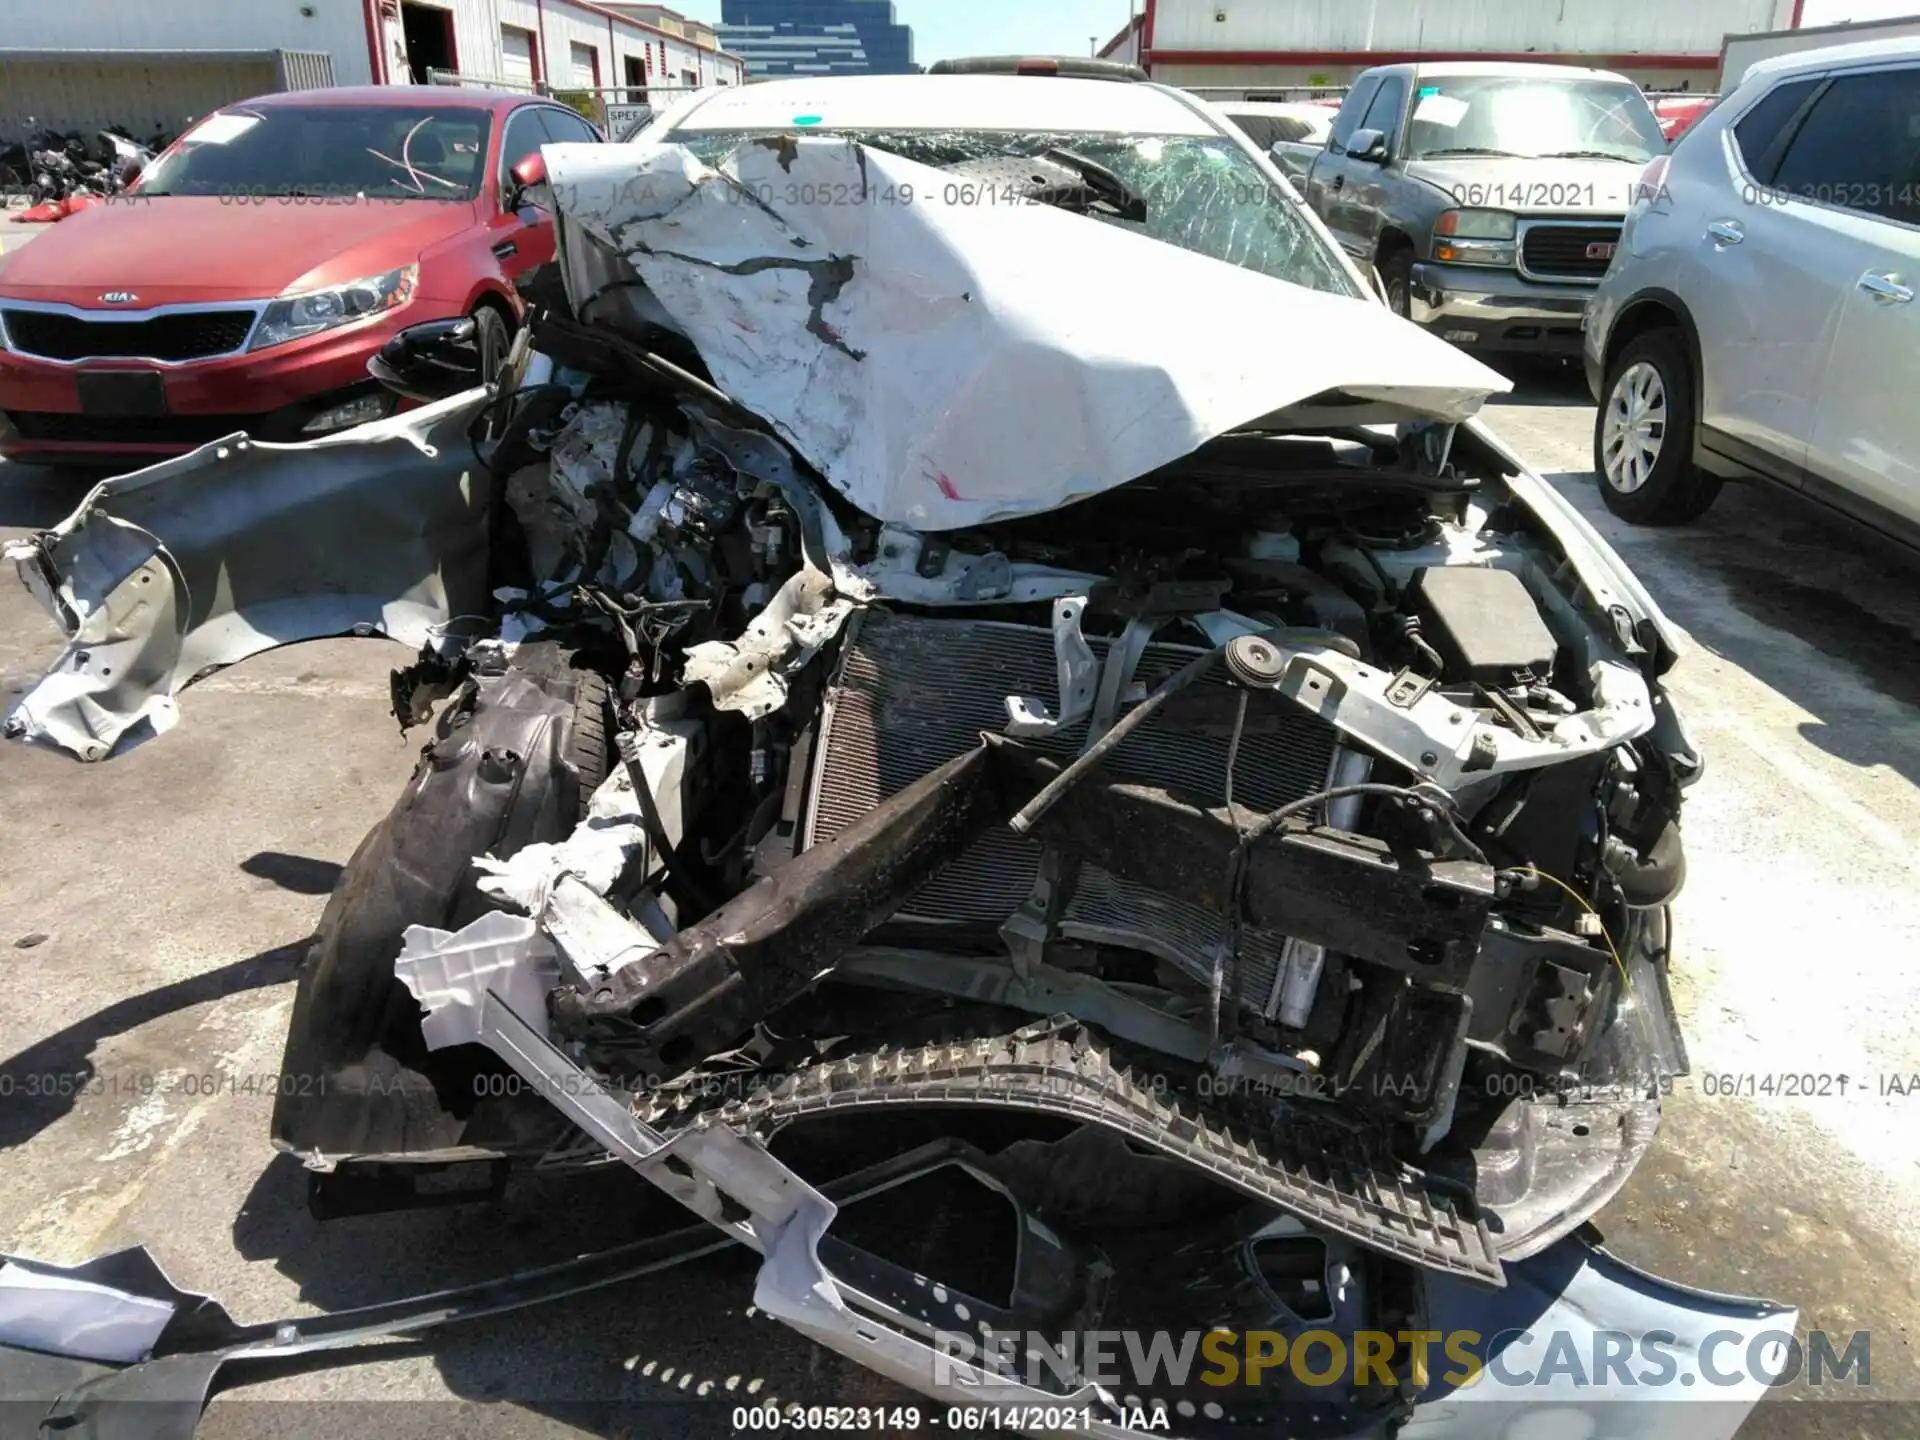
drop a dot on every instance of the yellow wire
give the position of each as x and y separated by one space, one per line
1584 904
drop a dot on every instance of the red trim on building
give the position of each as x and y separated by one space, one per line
1146 39
1663 61
1798 7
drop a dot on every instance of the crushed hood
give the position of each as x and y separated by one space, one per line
950 364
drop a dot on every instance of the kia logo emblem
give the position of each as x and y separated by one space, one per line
1601 250
118 297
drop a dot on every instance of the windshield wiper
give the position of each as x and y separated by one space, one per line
1585 155
1126 201
1470 150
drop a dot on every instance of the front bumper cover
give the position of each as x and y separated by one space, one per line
1497 308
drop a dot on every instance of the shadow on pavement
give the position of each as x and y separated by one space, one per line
1773 559
301 874
34 497
43 1081
1538 381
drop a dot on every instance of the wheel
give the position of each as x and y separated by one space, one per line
492 339
1643 435
1396 273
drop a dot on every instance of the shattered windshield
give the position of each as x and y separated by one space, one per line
381 152
1202 193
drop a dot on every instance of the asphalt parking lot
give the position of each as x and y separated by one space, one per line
152 909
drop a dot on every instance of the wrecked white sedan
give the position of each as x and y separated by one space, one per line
975 664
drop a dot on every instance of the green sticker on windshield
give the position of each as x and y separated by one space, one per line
806 119
1426 90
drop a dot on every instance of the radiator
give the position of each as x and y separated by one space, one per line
911 693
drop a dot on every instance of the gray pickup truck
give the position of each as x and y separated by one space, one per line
1488 196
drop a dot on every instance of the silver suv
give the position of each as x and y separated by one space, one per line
1758 320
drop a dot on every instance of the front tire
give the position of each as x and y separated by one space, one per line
1643 435
492 339
1396 274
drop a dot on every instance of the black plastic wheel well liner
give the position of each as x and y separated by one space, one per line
505 769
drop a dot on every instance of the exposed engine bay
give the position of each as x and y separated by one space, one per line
1234 894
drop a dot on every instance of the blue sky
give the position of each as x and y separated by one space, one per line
943 28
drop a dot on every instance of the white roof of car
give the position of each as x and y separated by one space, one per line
947 102
1893 49
1518 69
1317 118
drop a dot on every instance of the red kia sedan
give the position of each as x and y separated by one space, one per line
247 277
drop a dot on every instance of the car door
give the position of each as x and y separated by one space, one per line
521 237
1763 284
1859 154
1332 171
1368 194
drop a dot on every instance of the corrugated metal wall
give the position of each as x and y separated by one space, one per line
141 95
1604 27
477 30
336 27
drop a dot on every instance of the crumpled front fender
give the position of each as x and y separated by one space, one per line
167 574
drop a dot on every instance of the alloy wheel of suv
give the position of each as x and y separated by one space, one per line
1633 427
1643 435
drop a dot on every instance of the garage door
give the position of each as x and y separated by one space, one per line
586 67
516 55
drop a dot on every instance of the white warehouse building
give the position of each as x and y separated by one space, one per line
1246 47
84 64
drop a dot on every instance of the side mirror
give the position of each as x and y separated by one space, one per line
130 170
429 361
528 173
1369 145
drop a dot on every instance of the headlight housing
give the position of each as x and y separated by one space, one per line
295 317
1474 237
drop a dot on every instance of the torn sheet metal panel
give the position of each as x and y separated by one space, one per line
67 1315
63 1391
944 365
164 575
